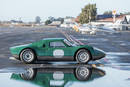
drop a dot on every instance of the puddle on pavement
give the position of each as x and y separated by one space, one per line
80 75
12 70
122 43
118 53
118 60
125 44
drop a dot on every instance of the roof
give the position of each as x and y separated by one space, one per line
99 17
111 19
53 39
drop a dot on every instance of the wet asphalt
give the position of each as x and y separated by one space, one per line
116 45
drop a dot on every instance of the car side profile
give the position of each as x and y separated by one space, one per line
55 49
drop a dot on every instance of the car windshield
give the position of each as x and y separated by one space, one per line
69 43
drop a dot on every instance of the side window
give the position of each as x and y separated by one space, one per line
57 44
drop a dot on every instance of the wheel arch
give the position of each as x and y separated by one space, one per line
80 49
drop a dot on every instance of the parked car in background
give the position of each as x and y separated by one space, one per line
68 24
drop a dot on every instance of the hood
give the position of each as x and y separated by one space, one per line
19 46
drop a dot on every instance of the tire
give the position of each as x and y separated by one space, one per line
30 74
83 56
27 56
83 73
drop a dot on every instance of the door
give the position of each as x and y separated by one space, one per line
58 50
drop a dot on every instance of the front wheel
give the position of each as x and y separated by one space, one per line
27 56
83 73
30 74
83 56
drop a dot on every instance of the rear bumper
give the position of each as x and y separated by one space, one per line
98 55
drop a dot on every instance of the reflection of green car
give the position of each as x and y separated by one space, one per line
59 77
55 49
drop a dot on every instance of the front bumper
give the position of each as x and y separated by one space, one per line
16 56
98 54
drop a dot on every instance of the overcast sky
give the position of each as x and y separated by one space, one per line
29 9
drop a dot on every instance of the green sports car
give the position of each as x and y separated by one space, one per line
55 49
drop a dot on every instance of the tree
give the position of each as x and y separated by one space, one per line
107 13
37 20
48 22
88 13
62 20
51 18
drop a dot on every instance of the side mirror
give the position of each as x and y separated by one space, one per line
44 46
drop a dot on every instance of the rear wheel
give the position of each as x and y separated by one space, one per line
83 56
27 56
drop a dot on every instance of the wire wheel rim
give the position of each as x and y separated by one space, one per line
83 72
28 74
83 57
27 56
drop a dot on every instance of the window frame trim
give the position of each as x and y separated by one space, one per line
58 46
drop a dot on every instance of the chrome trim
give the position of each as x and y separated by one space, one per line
51 58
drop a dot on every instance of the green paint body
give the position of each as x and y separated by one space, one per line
48 51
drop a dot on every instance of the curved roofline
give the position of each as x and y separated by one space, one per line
53 39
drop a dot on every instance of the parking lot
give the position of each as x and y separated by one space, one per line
116 45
